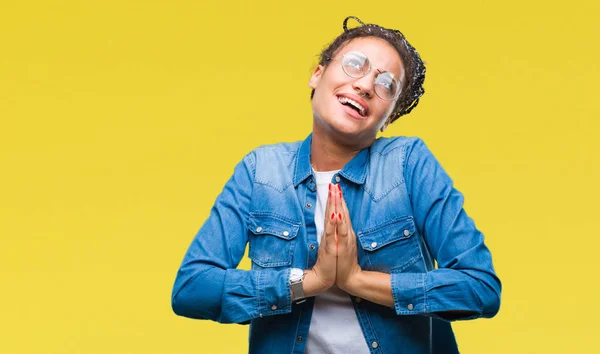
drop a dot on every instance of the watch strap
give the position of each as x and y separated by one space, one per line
297 286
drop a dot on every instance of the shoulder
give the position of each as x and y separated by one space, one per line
387 164
273 154
284 152
278 148
397 146
273 164
402 154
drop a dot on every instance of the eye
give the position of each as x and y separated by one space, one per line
355 63
387 81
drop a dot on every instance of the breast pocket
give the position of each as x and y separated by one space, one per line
392 246
271 240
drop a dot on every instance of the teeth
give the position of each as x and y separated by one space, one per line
354 103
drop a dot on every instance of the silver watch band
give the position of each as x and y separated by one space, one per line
297 285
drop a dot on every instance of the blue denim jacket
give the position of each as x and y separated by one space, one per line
406 215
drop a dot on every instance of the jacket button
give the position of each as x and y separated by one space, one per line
259 229
374 345
374 244
308 205
410 307
299 339
274 307
337 178
312 247
285 233
406 232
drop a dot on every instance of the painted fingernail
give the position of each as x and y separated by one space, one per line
329 186
340 216
340 195
339 187
332 216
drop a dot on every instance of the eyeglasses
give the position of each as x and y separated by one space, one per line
356 65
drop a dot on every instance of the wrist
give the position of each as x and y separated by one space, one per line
313 284
296 282
353 283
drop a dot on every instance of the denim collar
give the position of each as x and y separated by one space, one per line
355 170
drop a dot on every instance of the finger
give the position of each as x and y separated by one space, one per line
342 225
345 212
351 236
334 214
329 205
329 237
330 217
341 215
334 195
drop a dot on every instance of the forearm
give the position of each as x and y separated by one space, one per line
232 295
465 282
448 294
372 286
312 285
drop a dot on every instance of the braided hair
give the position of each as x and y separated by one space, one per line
414 67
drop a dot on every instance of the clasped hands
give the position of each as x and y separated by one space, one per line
337 258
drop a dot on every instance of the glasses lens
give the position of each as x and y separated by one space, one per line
386 86
355 64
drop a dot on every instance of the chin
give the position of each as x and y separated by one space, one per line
350 129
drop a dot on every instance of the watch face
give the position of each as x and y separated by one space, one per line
296 274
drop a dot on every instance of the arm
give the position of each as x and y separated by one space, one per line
465 280
465 285
376 287
207 285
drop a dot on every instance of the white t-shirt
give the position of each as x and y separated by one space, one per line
334 327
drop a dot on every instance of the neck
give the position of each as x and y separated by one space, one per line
328 153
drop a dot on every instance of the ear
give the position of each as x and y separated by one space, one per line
316 76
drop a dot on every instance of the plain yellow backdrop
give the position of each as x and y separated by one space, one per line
120 121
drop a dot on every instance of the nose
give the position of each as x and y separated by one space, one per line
365 84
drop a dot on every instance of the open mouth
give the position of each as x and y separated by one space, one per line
362 111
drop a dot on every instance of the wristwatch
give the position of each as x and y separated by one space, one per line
296 280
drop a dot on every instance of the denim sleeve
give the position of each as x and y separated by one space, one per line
208 285
465 279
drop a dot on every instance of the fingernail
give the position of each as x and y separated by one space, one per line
339 187
340 195
330 186
332 216
340 216
330 194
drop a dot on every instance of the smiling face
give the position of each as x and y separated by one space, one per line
338 107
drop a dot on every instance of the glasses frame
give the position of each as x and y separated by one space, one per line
398 81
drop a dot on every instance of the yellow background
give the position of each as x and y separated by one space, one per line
120 121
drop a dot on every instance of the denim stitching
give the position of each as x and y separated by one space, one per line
387 191
277 188
294 228
384 225
275 216
394 294
424 281
258 273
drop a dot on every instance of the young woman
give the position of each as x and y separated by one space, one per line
345 230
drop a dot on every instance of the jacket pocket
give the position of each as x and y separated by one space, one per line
391 246
271 239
